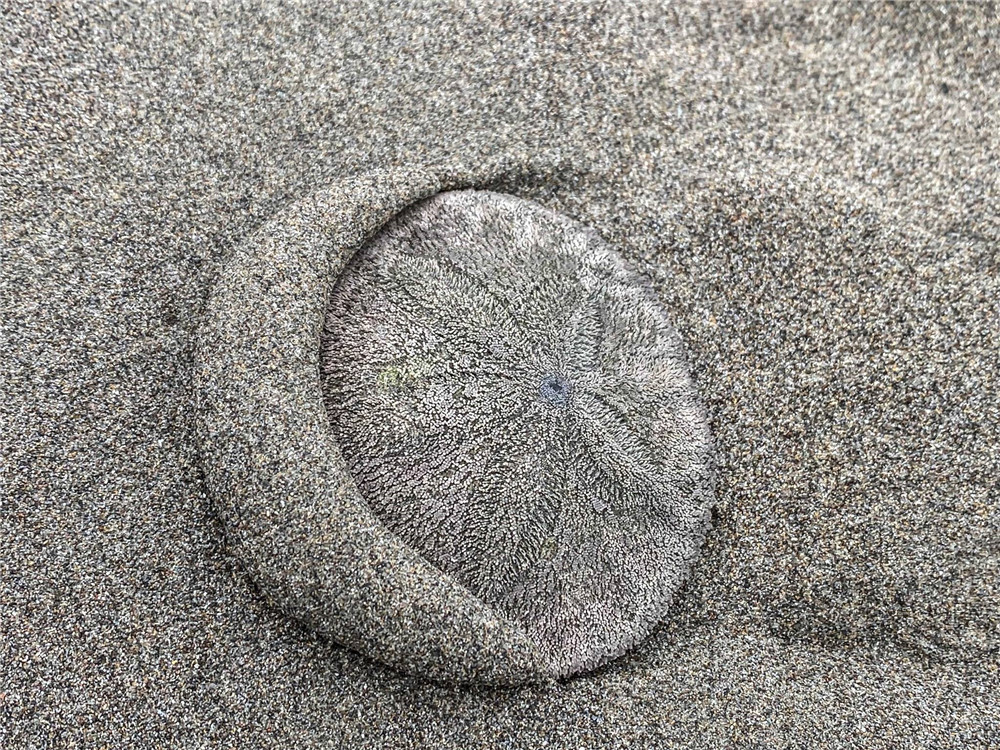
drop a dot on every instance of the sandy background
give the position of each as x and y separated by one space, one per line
813 190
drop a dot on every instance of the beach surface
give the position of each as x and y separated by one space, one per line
813 191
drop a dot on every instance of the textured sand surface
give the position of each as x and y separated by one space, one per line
813 191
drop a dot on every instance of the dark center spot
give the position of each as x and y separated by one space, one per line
554 389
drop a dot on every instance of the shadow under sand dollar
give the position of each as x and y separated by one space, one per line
553 535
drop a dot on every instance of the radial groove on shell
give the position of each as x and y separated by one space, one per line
513 403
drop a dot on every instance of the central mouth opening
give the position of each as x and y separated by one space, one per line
554 389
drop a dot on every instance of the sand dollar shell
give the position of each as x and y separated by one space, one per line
514 404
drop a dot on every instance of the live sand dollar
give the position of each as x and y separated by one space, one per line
513 402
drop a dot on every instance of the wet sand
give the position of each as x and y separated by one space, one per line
812 191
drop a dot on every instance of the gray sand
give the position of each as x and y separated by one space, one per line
813 192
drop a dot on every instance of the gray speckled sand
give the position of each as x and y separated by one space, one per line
813 191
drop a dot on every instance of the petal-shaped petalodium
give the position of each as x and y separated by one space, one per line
291 511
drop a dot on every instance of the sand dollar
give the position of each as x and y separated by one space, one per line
514 403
